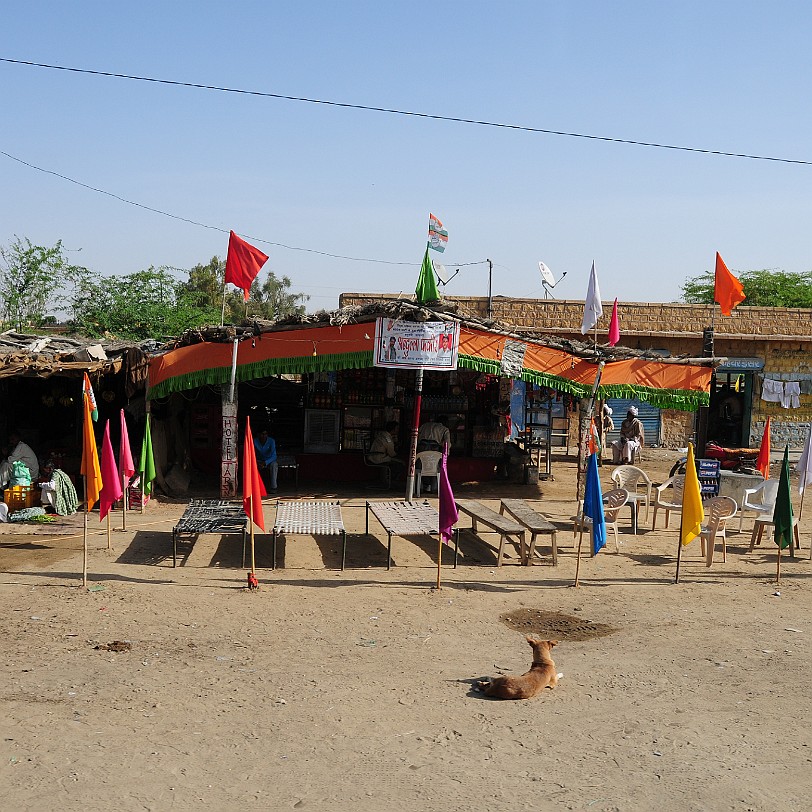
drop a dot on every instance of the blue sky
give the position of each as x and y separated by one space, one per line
730 76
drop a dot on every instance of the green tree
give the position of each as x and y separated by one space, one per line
34 277
762 288
269 299
145 304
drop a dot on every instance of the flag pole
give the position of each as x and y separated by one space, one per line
578 559
109 540
439 556
84 539
251 508
778 560
124 484
679 548
223 311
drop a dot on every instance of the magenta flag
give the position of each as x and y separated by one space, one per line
448 505
111 484
126 466
614 327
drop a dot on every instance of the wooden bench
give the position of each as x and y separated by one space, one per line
522 512
497 523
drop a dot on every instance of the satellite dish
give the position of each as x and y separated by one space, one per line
547 275
548 281
440 270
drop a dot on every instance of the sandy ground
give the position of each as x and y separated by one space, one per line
353 690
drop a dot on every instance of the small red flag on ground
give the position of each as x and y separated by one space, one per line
243 264
727 290
763 461
252 488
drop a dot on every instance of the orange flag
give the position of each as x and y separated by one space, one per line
90 469
763 461
252 488
727 290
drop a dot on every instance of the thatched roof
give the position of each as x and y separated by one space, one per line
409 310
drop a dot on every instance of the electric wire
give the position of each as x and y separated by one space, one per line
410 113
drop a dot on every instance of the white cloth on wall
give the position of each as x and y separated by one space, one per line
792 395
772 391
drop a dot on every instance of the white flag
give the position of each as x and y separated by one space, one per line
593 309
804 466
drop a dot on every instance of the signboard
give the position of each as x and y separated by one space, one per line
228 465
416 345
513 358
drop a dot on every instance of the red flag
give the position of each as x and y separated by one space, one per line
614 327
252 488
727 290
243 263
111 485
448 505
763 461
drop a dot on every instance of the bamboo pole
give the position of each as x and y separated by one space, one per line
778 560
124 484
578 559
439 557
109 540
251 509
679 548
84 539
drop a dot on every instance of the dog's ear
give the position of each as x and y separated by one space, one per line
530 640
552 643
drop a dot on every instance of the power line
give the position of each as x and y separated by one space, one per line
393 111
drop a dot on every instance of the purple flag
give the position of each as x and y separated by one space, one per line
448 506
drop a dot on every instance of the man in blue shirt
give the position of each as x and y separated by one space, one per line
266 456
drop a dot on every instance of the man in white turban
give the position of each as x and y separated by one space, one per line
631 438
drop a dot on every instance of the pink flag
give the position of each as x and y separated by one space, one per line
111 484
448 506
126 466
614 327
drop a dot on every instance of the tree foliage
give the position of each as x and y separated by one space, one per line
145 304
34 278
762 288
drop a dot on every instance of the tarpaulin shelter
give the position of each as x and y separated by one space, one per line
344 340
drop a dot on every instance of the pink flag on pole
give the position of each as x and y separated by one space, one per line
614 327
448 505
126 466
111 484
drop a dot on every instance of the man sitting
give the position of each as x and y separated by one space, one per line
631 439
20 452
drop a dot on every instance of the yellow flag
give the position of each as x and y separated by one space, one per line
693 513
90 457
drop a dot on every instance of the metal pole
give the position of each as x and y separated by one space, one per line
490 288
418 397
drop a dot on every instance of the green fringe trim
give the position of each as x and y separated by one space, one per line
686 400
221 376
681 399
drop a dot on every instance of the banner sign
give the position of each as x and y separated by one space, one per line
513 358
416 345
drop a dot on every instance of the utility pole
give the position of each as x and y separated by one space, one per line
490 288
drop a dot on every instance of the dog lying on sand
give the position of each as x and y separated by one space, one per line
542 674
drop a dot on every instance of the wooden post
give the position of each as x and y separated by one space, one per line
679 548
439 556
124 484
578 559
84 540
418 398
778 559
251 521
109 542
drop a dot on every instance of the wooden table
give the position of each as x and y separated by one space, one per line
522 512
480 514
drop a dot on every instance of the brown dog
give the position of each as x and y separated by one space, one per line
542 674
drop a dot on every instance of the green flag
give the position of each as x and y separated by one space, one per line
146 467
782 513
426 289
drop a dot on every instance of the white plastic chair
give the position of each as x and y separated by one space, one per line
613 500
761 500
717 511
668 501
429 468
632 479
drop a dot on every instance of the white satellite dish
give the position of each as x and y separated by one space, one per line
440 270
548 281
